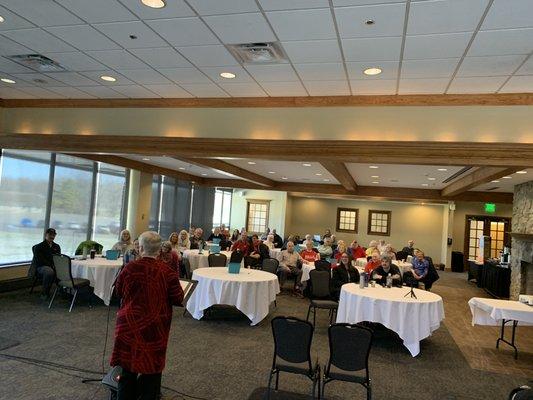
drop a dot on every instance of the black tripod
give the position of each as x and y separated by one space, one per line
411 292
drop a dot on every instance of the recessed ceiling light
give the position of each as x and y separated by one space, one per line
182 168
306 165
507 177
7 80
373 167
431 179
204 174
284 178
318 174
375 176
146 159
326 180
495 181
227 75
376 182
425 184
154 3
521 172
1 19
442 169
251 163
271 172
372 71
108 78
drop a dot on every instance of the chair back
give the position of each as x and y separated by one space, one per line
62 267
320 283
292 339
349 346
186 267
401 255
32 271
270 265
217 260
323 265
236 257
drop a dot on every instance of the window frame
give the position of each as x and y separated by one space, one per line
347 209
389 221
257 201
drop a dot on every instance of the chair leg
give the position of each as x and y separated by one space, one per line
308 312
314 316
33 284
275 303
53 297
269 384
277 380
73 300
369 391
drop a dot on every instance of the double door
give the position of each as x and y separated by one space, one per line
495 227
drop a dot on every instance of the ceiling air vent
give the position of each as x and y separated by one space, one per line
37 62
258 53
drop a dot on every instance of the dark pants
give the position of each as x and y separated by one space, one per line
48 276
132 386
252 262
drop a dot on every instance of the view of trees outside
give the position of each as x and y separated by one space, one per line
221 212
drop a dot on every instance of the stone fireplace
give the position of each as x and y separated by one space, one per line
522 241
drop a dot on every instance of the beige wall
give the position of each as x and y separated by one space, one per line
465 123
13 272
422 223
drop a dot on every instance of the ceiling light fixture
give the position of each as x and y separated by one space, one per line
376 182
425 184
146 159
442 169
227 75
154 3
271 172
507 177
284 178
318 174
521 172
251 163
182 168
431 179
306 165
108 78
375 176
372 71
1 19
326 180
495 181
204 174
373 167
370 22
7 80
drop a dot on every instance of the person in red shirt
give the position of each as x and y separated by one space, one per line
309 255
357 251
373 263
242 245
148 289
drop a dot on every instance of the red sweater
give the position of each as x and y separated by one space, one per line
309 255
358 252
371 266
242 246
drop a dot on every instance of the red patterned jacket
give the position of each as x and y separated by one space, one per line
148 289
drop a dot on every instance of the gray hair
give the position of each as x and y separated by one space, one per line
386 257
150 241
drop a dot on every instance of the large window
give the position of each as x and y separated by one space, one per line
222 209
257 216
379 222
347 220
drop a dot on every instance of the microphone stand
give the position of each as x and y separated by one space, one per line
411 292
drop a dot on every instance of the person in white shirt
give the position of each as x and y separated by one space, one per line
183 241
289 264
269 241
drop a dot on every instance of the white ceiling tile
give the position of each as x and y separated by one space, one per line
321 71
247 89
42 80
303 24
161 57
208 56
382 86
372 49
422 86
446 45
241 28
11 48
490 66
120 32
12 21
71 93
527 68
12 67
204 90
389 70
277 89
94 11
145 76
102 92
71 78
184 75
38 40
117 59
213 7
83 37
519 84
172 9
184 31
241 75
42 93
96 76
488 84
168 91
502 42
272 73
313 51
327 88
75 61
388 20
42 12
341 3
432 68
135 91
509 14
445 16
277 5
12 93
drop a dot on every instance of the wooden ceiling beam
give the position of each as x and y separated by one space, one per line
475 178
341 173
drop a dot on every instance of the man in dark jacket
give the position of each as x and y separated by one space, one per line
43 260
258 253
278 240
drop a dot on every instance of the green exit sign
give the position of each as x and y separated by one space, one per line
490 207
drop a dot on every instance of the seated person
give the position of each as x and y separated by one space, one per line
325 250
225 243
197 239
290 264
216 234
235 236
386 268
420 269
333 241
290 238
124 244
43 260
309 255
307 238
133 254
169 256
174 239
356 251
342 273
382 245
183 241
374 262
269 241
257 254
410 248
373 245
390 251
278 240
341 248
265 234
241 245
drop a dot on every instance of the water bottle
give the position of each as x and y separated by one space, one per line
362 281
84 253
389 280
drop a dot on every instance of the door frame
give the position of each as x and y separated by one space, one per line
489 218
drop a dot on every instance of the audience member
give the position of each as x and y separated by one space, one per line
409 249
289 264
278 240
235 236
43 260
133 254
373 263
327 234
356 251
390 251
290 238
373 245
382 246
265 234
124 244
420 266
257 254
333 240
169 256
308 254
380 273
343 273
216 234
197 239
183 242
269 241
174 239
148 289
341 248
325 250
241 245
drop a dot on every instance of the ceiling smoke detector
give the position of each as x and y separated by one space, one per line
37 62
258 53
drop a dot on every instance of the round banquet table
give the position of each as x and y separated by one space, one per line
251 291
101 272
200 260
402 265
308 267
412 319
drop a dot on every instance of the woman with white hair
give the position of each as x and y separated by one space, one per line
269 242
183 241
174 239
373 245
124 244
169 256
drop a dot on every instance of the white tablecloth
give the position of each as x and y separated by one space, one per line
100 272
412 319
275 253
200 260
251 291
493 311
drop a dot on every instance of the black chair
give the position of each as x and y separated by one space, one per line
349 347
322 265
320 295
401 255
217 260
236 257
32 271
292 351
186 267
271 265
65 280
